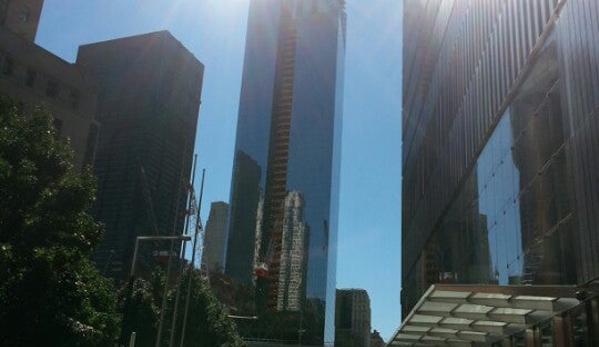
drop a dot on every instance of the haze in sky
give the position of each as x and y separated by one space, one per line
214 31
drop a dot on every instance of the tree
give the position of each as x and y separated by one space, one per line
50 293
140 305
348 339
208 324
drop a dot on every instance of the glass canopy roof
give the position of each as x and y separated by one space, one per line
463 315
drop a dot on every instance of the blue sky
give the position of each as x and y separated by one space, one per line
214 30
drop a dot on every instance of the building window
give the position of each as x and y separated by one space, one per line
74 100
24 14
30 76
52 89
20 108
8 66
57 126
3 11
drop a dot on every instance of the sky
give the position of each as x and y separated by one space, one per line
369 246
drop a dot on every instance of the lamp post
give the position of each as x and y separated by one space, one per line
232 316
183 238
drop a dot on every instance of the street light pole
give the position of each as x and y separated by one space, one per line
183 238
190 202
192 264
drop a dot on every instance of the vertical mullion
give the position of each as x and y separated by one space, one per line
512 41
545 13
593 50
488 92
591 83
503 49
536 19
576 148
518 33
497 66
582 128
530 32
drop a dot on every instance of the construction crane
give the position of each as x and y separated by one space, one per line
264 260
262 268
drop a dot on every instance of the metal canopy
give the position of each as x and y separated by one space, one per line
470 316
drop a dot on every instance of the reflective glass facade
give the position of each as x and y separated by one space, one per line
500 150
285 186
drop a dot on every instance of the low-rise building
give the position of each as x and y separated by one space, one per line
35 77
352 318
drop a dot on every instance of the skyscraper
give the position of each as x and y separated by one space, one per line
215 237
288 144
500 170
149 89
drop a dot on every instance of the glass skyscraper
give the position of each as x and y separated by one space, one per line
500 159
282 231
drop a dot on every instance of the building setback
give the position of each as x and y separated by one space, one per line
288 142
215 237
500 168
35 77
352 318
149 89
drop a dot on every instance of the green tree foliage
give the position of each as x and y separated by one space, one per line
208 324
50 293
347 339
140 305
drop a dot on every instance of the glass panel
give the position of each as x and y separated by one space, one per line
546 334
439 294
419 318
513 215
473 309
437 306
457 321
511 311
580 333
408 337
432 339
519 339
414 329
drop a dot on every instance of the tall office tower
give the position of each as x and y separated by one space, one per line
352 318
500 170
288 140
35 77
149 89
215 237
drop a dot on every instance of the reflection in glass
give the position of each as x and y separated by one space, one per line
497 190
513 219
242 218
291 287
